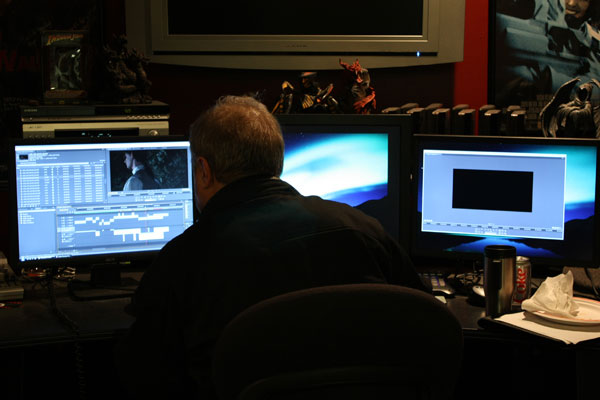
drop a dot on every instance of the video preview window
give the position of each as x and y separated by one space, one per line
135 169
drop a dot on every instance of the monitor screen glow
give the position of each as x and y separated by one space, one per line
359 160
74 200
350 168
538 195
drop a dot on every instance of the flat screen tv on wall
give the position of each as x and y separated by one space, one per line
310 35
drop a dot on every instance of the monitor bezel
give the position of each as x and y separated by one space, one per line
125 258
400 125
428 256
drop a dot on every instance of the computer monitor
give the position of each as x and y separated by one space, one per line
360 160
85 201
539 195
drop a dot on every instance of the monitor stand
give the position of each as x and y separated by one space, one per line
105 282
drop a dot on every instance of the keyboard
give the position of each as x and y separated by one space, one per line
438 284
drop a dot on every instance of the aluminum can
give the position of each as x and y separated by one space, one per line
522 281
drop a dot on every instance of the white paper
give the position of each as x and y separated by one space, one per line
567 333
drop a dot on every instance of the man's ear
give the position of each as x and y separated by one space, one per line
204 176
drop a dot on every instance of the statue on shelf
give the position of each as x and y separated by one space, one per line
125 71
285 104
567 116
310 98
360 95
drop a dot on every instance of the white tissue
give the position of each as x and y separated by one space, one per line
555 296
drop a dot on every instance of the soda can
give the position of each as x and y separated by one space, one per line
522 281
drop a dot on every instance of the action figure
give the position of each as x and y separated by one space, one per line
67 70
360 97
127 77
286 100
577 117
310 99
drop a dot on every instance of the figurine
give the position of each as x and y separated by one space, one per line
286 100
577 117
360 96
309 99
128 82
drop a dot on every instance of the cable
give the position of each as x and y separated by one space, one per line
72 325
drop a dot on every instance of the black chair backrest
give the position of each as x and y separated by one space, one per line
345 341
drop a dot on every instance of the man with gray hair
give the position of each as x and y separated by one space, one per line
256 238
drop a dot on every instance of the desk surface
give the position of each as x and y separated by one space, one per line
33 328
34 322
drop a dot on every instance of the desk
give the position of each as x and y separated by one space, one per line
509 363
38 354
34 323
38 358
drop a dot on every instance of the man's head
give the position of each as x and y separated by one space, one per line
577 8
237 137
132 159
578 12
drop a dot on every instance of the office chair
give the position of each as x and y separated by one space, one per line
356 341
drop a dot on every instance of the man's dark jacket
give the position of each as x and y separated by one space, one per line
256 238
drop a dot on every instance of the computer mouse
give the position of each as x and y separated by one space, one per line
478 290
476 296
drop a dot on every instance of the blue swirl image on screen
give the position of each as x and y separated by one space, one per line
349 168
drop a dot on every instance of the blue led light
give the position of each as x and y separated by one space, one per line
418 54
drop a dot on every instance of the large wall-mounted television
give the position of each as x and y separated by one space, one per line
539 195
311 35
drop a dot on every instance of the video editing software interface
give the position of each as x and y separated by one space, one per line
538 195
91 199
353 164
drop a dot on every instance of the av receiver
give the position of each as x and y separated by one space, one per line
55 121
